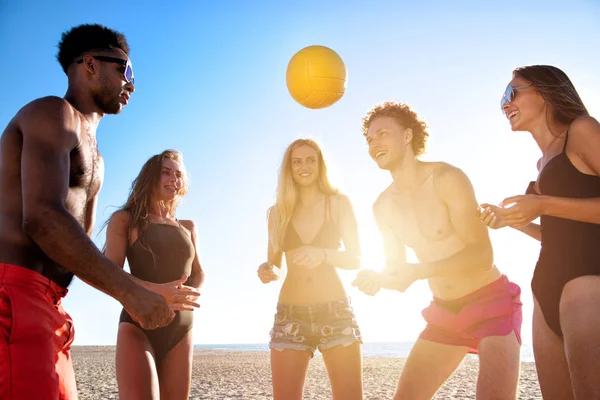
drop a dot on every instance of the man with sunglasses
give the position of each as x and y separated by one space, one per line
50 177
431 208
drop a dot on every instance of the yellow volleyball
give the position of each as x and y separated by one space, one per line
316 77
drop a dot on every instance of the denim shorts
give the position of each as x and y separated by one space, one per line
316 326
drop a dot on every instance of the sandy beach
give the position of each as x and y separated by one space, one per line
222 374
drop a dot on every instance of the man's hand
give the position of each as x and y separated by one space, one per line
179 296
368 282
266 273
489 215
147 308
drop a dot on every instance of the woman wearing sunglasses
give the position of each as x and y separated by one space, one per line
308 223
542 100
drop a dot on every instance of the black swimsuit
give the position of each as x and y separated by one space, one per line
162 253
569 249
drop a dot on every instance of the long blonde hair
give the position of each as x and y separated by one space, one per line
138 204
287 192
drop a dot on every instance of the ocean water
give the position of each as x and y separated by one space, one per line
382 349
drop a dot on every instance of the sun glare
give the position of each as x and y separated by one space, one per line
397 315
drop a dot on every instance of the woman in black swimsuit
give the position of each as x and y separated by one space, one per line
161 253
308 223
566 195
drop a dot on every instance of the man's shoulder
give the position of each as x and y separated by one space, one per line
442 169
50 110
48 104
51 120
445 173
451 182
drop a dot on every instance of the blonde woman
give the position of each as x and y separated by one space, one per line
308 223
162 255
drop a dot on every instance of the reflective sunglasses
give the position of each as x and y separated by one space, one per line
128 73
509 95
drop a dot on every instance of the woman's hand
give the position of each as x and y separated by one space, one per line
266 273
309 257
524 209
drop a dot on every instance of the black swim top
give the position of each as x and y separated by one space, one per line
569 248
162 253
328 237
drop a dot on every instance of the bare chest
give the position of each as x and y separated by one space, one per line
85 168
85 178
419 218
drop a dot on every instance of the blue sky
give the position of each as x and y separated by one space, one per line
210 81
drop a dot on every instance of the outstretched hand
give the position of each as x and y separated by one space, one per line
368 282
371 282
490 216
147 308
514 211
524 209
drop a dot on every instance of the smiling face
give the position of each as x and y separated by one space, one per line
171 181
527 105
304 165
387 142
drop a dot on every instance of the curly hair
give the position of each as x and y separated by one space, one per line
88 37
406 117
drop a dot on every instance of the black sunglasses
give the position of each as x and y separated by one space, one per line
509 95
128 73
